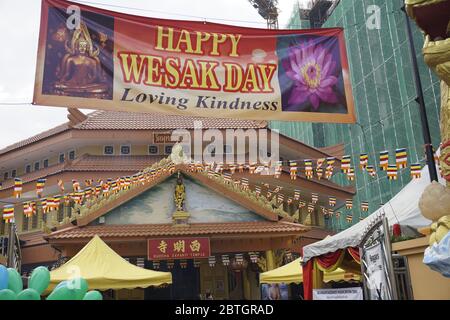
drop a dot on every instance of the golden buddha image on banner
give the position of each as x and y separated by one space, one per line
98 59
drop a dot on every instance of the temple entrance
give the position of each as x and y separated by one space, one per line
185 284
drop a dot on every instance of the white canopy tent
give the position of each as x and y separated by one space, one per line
402 208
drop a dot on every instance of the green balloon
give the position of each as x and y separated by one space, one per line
29 294
93 295
7 294
63 293
40 279
80 286
14 281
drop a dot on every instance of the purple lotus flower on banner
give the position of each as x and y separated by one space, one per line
312 68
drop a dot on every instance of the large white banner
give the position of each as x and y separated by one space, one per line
338 294
377 281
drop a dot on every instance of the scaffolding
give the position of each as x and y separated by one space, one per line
384 95
268 10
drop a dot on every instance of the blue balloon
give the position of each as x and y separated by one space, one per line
3 277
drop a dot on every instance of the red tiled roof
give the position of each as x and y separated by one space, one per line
158 230
116 120
113 163
33 239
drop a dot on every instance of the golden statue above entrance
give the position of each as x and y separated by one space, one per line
180 217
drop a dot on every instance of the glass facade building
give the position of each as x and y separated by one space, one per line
384 94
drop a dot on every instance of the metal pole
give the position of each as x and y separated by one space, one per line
421 101
11 243
390 265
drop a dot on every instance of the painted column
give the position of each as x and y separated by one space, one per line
270 258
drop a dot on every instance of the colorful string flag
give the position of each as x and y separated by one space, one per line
363 161
401 158
156 264
392 172
349 218
314 198
18 187
61 185
241 168
183 264
308 169
301 204
319 169
278 169
44 206
280 198
225 260
40 184
170 264
227 178
88 182
332 201
364 206
293 169
330 168
244 183
27 209
197 263
88 193
258 191
237 183
349 204
384 160
252 168
212 261
277 189
296 195
351 174
8 213
319 173
416 171
239 258
232 168
310 208
253 257
371 171
346 163
75 185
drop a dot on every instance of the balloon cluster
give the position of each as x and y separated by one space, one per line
11 287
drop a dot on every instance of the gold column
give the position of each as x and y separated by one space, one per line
270 258
246 284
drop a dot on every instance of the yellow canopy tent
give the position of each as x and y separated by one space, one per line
104 269
293 273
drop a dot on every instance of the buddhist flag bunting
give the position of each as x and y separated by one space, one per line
346 163
44 205
27 209
227 178
61 185
296 195
289 201
319 173
278 169
40 184
308 169
258 191
363 161
384 160
253 257
18 185
351 174
330 168
212 261
241 168
280 198
320 162
75 185
252 168
232 168
371 171
332 201
225 260
244 183
364 206
239 258
293 170
301 204
88 182
392 172
401 158
416 171
349 204
314 198
8 213
349 218
310 208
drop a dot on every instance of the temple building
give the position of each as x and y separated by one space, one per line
113 174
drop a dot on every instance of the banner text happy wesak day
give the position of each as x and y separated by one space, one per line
94 58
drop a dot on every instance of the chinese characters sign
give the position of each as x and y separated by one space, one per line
178 248
115 61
